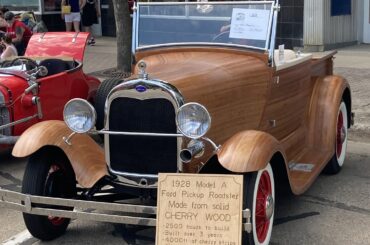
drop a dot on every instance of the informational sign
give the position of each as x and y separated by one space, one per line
249 24
199 209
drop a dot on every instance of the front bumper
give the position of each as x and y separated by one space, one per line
124 213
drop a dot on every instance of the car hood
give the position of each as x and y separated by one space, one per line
70 44
232 85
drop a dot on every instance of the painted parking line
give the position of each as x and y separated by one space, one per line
22 238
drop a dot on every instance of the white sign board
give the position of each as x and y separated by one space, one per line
249 24
201 209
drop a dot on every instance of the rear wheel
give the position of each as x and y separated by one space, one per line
337 161
259 198
101 95
48 173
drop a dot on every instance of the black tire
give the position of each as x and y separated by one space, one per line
254 184
336 162
101 95
48 173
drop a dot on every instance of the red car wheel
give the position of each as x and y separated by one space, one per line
259 196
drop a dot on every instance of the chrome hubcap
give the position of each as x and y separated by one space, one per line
269 207
343 134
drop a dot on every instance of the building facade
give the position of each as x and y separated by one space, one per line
314 25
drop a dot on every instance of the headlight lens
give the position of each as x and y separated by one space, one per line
193 120
79 115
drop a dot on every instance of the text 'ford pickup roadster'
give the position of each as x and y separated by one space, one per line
278 117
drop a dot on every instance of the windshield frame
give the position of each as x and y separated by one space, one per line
270 40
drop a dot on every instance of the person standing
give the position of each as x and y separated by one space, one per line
18 31
9 48
90 14
3 24
75 16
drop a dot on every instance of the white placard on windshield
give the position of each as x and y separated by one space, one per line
249 24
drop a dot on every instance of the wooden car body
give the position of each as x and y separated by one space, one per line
272 113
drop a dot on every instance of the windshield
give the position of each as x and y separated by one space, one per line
203 23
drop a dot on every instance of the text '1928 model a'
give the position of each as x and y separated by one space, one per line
278 117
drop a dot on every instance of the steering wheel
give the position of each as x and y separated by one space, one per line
29 63
222 37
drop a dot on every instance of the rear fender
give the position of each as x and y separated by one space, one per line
86 156
327 95
248 151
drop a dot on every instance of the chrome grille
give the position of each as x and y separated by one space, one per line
4 116
142 154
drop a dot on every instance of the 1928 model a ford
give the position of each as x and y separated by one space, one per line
276 118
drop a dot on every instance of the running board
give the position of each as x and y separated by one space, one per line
26 203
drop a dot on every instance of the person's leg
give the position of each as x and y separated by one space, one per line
87 29
68 20
91 41
68 26
76 25
76 21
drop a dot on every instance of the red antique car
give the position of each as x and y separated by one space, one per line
29 94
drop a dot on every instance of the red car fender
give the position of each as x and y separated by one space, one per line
248 151
326 98
93 84
86 157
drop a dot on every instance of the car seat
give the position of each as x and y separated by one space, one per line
54 66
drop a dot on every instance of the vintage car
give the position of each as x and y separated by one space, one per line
279 118
29 93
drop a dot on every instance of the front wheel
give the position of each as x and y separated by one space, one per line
259 198
48 173
337 161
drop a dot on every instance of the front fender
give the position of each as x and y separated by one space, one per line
248 151
86 156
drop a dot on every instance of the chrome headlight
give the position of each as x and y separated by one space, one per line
193 120
79 115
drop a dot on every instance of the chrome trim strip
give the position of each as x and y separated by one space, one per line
135 45
268 38
273 34
18 122
199 44
155 89
26 203
137 133
205 3
134 25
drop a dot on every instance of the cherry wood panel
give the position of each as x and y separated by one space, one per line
242 93
232 86
288 101
325 102
86 156
322 64
243 152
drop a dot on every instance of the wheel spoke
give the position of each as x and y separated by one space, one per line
264 190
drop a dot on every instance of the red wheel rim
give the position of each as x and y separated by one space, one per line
55 220
339 134
264 191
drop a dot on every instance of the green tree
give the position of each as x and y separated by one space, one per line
123 34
